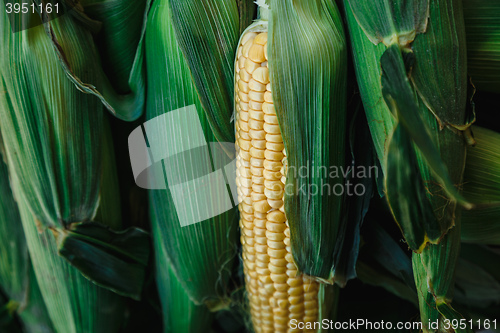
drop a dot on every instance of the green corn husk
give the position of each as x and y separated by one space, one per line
200 255
483 43
16 273
74 303
420 124
53 137
118 38
482 185
421 58
123 92
207 33
181 314
310 63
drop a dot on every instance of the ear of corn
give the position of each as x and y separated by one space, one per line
199 255
425 87
282 236
483 43
53 135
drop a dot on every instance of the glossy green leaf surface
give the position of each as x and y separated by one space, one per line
311 112
201 255
391 21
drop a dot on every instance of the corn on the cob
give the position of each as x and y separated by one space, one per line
275 291
278 292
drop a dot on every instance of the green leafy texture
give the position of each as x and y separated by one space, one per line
180 313
483 43
434 273
33 312
407 195
441 57
129 106
208 33
440 166
248 11
114 260
368 72
16 274
328 299
475 286
14 258
399 96
52 132
200 255
386 252
482 185
441 153
406 19
308 69
477 290
478 277
383 263
74 303
119 37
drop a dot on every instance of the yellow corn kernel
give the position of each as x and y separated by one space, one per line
275 292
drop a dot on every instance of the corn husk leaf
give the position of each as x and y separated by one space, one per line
483 43
404 24
74 303
363 169
313 126
434 271
207 33
53 135
17 279
119 37
436 128
413 205
180 313
482 185
201 254
419 123
127 106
